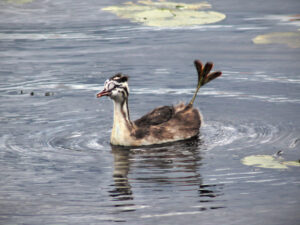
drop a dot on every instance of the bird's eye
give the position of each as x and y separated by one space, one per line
111 86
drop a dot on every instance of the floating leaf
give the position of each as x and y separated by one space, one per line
267 161
291 163
176 5
291 39
263 161
166 14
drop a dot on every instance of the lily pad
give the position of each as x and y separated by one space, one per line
267 161
291 163
166 14
176 5
291 39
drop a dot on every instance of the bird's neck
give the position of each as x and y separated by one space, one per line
122 125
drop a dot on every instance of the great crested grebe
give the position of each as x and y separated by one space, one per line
163 124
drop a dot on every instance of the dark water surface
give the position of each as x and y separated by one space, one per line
56 163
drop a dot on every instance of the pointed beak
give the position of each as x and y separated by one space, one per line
103 93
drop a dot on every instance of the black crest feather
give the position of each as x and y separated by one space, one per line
119 77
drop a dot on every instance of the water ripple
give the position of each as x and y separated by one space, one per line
244 135
213 133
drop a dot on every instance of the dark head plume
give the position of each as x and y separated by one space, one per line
119 77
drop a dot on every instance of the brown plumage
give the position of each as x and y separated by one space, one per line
163 124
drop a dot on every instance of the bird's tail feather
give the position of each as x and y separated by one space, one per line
204 76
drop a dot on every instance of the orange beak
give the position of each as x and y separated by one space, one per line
103 93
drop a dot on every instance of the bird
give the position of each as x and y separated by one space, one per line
164 124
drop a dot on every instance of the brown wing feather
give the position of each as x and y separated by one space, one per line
157 116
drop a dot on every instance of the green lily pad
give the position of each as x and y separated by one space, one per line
175 5
291 163
291 39
267 161
166 14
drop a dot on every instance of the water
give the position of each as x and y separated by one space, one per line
56 163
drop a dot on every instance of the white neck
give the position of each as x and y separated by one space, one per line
122 125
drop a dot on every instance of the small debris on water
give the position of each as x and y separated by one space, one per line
295 143
49 94
278 154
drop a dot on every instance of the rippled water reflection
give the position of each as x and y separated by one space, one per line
56 163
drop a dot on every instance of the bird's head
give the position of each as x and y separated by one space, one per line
116 88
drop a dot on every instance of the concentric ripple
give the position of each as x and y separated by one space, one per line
213 134
244 135
77 141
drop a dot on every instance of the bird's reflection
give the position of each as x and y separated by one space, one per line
174 164
122 186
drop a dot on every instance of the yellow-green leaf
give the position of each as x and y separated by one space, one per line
166 14
291 39
291 163
263 161
268 161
